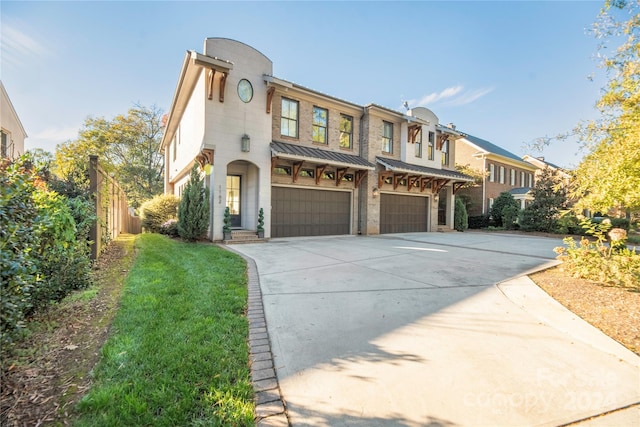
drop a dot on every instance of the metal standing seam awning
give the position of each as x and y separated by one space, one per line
424 176
300 154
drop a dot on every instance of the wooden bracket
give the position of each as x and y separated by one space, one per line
359 176
270 91
340 172
319 171
382 176
442 138
273 164
414 130
223 82
411 181
205 157
457 186
212 75
437 185
397 177
424 182
296 170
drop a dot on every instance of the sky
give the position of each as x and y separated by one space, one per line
505 71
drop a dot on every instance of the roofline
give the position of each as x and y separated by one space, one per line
462 176
13 110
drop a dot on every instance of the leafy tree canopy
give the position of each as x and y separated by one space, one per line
126 146
609 175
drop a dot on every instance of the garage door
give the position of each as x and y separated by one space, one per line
403 214
302 212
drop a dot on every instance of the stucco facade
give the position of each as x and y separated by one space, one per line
11 130
315 163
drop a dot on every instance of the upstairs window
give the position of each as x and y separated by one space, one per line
4 148
289 118
431 145
319 131
387 137
445 153
513 178
530 180
418 143
492 172
501 174
522 183
346 131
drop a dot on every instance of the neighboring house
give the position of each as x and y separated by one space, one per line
11 130
317 164
540 163
504 171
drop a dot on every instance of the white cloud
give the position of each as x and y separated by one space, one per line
48 138
453 96
17 46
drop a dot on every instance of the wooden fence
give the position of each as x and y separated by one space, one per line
114 216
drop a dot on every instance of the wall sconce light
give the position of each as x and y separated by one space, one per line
245 143
375 192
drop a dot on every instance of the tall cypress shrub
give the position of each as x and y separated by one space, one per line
193 211
460 217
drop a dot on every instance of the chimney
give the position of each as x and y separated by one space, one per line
541 159
451 126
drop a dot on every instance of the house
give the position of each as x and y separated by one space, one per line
503 171
11 130
540 163
316 164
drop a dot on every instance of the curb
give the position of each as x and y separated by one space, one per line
271 410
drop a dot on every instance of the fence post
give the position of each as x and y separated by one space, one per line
94 234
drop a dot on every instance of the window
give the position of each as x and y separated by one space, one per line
430 145
4 147
530 180
501 174
419 144
492 172
289 118
513 178
387 137
319 131
490 202
522 179
346 131
445 153
282 170
309 173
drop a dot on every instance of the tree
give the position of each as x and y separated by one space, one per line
505 199
609 175
460 217
193 211
128 146
549 199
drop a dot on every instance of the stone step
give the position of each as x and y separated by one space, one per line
244 236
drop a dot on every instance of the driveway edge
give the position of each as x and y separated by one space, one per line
271 410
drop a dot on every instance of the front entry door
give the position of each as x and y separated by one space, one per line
233 199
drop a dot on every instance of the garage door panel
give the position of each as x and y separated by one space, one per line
309 212
403 214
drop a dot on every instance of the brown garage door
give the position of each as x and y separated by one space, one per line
403 214
301 212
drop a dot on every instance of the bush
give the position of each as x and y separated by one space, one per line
170 228
44 252
478 221
502 201
460 217
157 211
614 264
509 217
193 212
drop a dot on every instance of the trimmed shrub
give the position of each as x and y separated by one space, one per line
509 217
170 228
193 212
478 221
460 217
502 201
157 211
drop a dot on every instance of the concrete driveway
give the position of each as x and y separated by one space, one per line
425 329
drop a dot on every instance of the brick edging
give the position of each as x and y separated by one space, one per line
270 406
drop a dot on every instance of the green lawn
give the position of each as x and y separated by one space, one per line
177 354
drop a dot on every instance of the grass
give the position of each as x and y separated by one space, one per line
178 351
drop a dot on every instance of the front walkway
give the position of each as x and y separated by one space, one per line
412 330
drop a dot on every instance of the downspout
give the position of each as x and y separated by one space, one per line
211 204
360 193
484 182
